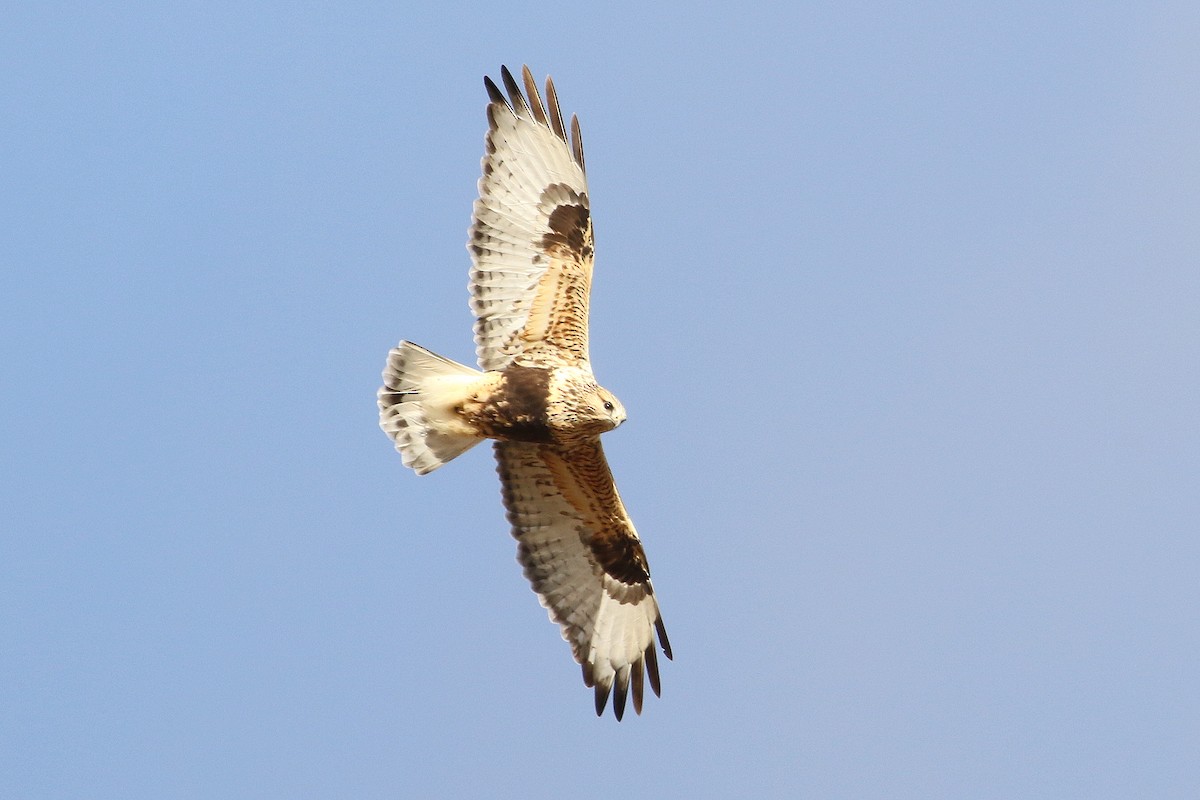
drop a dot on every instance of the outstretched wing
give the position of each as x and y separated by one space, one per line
583 557
531 238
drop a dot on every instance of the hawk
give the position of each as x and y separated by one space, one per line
536 396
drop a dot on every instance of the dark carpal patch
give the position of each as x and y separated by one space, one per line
622 557
570 229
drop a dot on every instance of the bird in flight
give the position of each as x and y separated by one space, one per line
536 396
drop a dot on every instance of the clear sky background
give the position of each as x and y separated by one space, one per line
903 300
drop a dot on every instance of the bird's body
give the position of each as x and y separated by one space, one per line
539 405
537 397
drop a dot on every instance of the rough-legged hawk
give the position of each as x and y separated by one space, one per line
531 243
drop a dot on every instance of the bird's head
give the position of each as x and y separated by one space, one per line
607 408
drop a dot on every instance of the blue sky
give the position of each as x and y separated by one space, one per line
903 301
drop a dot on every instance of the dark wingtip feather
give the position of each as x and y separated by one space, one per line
556 121
652 670
622 693
577 143
662 638
602 699
494 93
637 687
514 93
535 99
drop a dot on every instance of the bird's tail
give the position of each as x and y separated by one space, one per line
416 406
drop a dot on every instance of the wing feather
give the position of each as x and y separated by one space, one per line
514 93
583 558
531 237
556 117
535 100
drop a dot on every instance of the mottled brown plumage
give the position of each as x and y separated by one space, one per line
532 246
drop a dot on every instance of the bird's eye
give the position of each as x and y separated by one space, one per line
608 406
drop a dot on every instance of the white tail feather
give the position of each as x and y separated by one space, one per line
416 406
